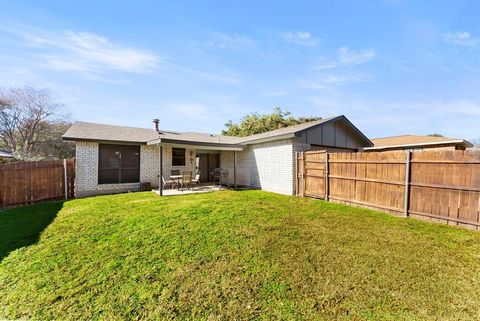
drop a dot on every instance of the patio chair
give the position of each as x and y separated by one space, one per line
220 175
196 180
186 180
169 182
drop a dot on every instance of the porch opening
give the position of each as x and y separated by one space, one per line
206 163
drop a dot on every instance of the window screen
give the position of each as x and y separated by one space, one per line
178 156
118 164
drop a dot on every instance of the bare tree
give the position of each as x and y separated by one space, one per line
475 142
26 113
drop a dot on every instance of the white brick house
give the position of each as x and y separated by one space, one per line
113 159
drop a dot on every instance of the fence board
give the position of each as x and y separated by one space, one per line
30 182
443 186
314 174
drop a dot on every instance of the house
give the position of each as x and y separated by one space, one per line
6 157
113 159
416 142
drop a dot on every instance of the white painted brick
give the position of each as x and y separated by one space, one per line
86 166
268 166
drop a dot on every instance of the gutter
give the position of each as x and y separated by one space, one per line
101 141
268 139
219 146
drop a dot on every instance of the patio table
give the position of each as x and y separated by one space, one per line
177 179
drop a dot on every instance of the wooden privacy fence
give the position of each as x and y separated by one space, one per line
442 186
30 182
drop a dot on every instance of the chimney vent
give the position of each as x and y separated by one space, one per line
156 121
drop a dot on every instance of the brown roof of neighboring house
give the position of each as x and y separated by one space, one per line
415 141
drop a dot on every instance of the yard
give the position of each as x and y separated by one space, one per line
231 255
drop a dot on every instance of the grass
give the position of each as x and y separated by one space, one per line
19 228
229 255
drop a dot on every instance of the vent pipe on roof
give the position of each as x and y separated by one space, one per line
156 121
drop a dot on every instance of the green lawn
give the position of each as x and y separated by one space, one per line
232 255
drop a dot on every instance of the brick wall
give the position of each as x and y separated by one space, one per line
268 166
86 168
190 165
86 178
149 164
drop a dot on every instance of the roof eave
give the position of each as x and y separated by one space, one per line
269 139
199 145
106 141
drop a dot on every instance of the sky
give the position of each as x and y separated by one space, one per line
392 67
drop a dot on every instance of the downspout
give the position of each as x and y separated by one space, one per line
235 169
160 176
156 122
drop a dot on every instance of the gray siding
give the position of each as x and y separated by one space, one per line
335 134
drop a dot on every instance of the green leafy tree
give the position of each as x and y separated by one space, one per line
435 135
256 123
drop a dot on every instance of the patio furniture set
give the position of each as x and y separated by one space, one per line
185 180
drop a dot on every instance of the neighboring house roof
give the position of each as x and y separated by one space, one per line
83 131
412 141
5 154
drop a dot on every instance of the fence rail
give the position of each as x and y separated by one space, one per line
30 182
441 186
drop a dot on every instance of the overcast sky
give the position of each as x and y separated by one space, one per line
392 67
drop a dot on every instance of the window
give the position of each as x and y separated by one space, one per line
118 164
178 156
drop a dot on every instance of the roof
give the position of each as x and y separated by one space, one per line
198 137
295 129
83 131
5 154
415 140
100 132
283 131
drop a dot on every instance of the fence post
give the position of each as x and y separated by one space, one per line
303 174
65 178
326 176
407 183
296 173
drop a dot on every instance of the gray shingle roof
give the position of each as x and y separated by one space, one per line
199 137
285 130
100 132
5 154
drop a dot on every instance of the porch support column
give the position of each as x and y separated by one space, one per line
235 169
160 177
